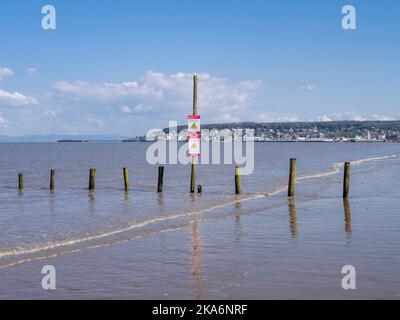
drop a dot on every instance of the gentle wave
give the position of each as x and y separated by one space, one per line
70 242
63 253
115 242
335 168
373 159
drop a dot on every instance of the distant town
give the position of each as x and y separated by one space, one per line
333 131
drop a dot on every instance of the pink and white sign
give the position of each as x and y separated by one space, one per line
194 135
193 123
194 147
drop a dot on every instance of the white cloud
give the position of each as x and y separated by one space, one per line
138 108
125 109
264 117
380 117
3 122
51 113
107 91
324 118
286 119
227 117
16 99
96 122
348 115
167 96
31 71
352 115
158 89
6 72
308 87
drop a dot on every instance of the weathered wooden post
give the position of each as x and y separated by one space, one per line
238 189
193 175
126 182
193 171
292 177
199 188
20 181
52 179
160 179
346 180
92 179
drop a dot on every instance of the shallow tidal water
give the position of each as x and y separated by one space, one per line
214 245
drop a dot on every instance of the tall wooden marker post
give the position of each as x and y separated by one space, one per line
191 154
346 180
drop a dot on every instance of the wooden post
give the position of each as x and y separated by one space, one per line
292 177
160 179
193 171
92 179
199 188
346 180
52 178
20 181
195 80
126 182
238 189
193 175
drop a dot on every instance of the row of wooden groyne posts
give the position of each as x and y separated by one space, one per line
160 182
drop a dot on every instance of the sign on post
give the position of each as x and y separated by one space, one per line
193 123
194 135
194 147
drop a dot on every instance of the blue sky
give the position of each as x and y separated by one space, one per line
123 67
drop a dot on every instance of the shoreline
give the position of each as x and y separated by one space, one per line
274 141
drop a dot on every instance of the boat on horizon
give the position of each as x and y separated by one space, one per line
72 140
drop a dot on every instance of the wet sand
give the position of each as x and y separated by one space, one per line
268 247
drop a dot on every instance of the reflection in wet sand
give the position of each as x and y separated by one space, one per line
293 217
52 201
126 202
197 266
91 200
347 217
238 224
160 198
91 195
